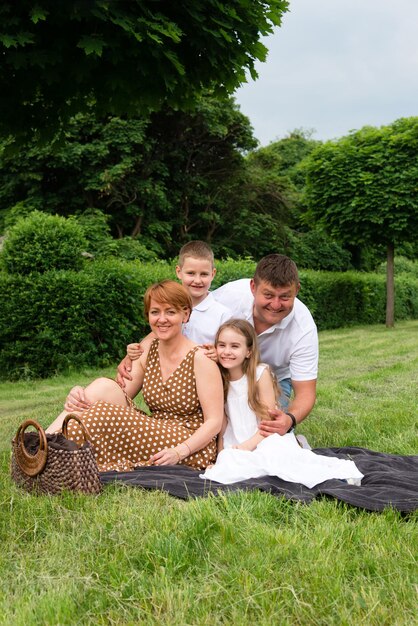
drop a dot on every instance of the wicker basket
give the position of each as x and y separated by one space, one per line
56 463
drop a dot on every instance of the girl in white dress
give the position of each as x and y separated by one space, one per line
250 390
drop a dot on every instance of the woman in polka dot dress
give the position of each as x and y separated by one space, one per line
181 386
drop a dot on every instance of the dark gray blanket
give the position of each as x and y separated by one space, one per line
389 481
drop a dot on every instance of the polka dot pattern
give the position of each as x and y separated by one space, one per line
125 437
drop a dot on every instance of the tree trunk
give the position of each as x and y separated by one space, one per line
137 228
390 286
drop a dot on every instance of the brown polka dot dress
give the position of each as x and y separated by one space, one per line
125 437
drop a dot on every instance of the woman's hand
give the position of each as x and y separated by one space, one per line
167 456
76 400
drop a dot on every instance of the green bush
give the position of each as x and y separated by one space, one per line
61 319
102 245
41 242
18 211
346 299
343 299
128 249
56 320
233 270
96 229
402 266
406 297
317 251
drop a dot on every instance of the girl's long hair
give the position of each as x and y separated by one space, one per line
249 366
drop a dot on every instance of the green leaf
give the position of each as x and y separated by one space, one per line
38 14
92 45
225 35
8 41
175 61
24 38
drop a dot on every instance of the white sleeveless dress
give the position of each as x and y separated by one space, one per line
274 456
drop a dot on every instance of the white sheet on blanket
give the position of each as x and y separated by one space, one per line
283 457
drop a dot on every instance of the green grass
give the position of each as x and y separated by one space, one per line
134 557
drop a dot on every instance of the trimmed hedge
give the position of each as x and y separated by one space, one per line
61 319
233 270
42 242
52 321
351 298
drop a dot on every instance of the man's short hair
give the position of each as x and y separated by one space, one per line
197 250
277 270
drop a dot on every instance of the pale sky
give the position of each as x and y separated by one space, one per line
335 66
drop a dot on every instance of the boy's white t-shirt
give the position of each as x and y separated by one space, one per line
205 319
289 347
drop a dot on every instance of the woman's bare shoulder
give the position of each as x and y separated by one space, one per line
147 341
203 361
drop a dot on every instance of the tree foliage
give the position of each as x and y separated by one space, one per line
274 195
162 179
363 188
258 207
203 157
123 57
316 250
291 152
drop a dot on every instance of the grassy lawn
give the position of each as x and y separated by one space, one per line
134 557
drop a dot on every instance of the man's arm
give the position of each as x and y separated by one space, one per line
301 405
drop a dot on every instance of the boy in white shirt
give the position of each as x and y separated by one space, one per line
196 272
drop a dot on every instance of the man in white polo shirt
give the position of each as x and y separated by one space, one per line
287 334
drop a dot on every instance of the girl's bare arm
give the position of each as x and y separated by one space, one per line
221 434
268 398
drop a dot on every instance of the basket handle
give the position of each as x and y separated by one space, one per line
73 416
31 464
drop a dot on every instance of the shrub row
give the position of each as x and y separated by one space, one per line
60 319
52 321
351 298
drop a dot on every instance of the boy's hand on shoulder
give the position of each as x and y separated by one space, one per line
210 351
134 351
124 372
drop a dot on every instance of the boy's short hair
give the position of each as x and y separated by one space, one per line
198 250
168 292
277 270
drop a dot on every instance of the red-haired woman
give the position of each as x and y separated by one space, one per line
181 386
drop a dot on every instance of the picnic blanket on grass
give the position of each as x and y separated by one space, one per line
389 481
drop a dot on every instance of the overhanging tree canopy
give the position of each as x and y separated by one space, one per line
163 179
125 57
363 189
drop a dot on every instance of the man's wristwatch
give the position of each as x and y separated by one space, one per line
294 422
